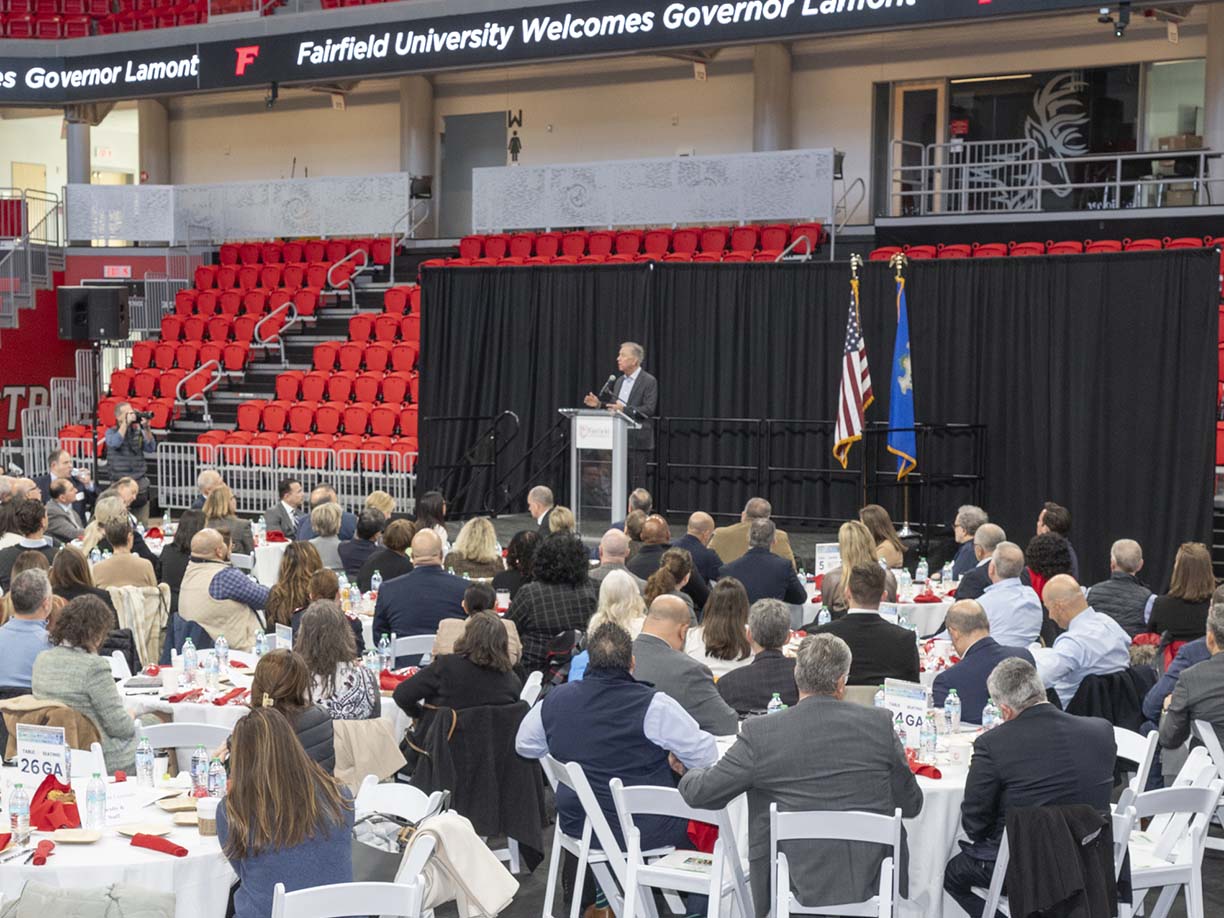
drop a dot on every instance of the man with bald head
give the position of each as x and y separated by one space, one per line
613 552
1122 597
416 602
656 539
979 653
973 582
659 657
218 597
1012 607
1092 644
696 542
731 542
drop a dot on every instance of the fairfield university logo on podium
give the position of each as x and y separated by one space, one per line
246 56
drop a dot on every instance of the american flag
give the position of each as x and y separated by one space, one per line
855 384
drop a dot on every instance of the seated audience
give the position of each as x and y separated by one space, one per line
325 494
720 642
24 635
417 602
358 550
659 658
763 574
59 468
479 597
26 561
671 578
325 585
973 582
888 544
219 597
1025 762
1013 609
881 649
206 482
70 577
286 513
9 535
968 520
476 554
176 555
560 597
1122 597
291 592
633 529
325 521
613 552
122 568
561 519
696 541
855 547
519 555
381 501
730 542
821 754
112 505
1091 644
283 819
619 603
72 673
1056 519
64 523
222 507
282 681
1191 653
539 505
30 521
431 515
478 673
1199 692
749 689
1046 556
969 628
340 683
615 727
1182 611
640 501
656 541
391 559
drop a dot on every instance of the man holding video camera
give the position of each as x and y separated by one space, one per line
128 444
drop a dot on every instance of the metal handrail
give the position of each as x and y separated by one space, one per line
280 335
414 225
213 382
489 432
794 245
351 287
847 211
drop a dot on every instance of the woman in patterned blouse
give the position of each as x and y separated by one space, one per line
340 683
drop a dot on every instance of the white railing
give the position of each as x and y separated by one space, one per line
350 284
257 334
215 374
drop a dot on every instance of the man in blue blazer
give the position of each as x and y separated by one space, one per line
969 629
763 574
695 542
418 601
325 494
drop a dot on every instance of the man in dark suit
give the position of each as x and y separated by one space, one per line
1199 693
639 499
206 482
286 514
696 542
973 583
540 506
763 574
821 754
356 551
881 650
1038 756
969 629
750 688
964 527
325 494
414 603
59 468
656 539
635 393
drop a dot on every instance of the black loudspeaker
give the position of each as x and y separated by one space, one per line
93 313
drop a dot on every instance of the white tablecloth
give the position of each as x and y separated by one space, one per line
928 616
267 559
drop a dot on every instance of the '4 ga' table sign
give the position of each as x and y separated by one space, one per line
908 703
41 751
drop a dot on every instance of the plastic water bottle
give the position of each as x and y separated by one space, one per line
261 642
879 697
946 576
775 704
144 763
95 556
216 779
928 738
199 768
905 585
920 575
95 803
166 524
212 674
385 656
19 814
191 660
376 582
823 617
952 711
373 661
989 715
221 651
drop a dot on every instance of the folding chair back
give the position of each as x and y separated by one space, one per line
1141 750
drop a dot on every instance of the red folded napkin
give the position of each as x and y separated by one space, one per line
43 850
238 664
189 695
154 533
925 771
819 581
702 835
120 776
387 680
927 597
275 535
951 592
5 839
229 696
157 843
54 806
152 670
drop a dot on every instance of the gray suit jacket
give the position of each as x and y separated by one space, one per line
822 754
277 517
642 406
684 679
63 523
599 573
1198 695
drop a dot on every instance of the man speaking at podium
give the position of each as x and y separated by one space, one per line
636 393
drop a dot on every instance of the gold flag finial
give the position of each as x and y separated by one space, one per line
856 262
898 263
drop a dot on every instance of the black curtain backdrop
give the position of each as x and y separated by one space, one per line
1094 375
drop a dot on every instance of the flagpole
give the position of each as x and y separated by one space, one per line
898 262
856 262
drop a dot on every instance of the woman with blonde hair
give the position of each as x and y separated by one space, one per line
382 501
888 543
476 554
621 604
1183 610
292 589
105 510
325 520
561 520
855 546
219 507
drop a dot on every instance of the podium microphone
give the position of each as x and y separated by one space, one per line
607 384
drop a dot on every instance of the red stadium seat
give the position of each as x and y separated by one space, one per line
277 298
708 257
271 253
685 241
955 250
383 419
219 328
143 353
615 259
714 239
408 421
361 326
77 26
1183 242
1065 247
1142 245
230 303
301 417
316 452
657 242
471 246
395 387
314 385
349 355
306 301
628 242
194 328
685 256
210 351
235 447
106 410
547 244
294 275
187 355
380 251
404 356
316 274
395 301
205 277
270 276
386 328
406 451
340 386
228 254
357 418
574 243
289 384
495 246
227 277
600 242
348 449
262 450
915 252
536 260
1102 245
243 328
292 252
365 386
744 239
208 303
775 237
989 249
737 257
255 302
185 301
377 356
162 410
765 256
289 449
236 354
593 259
334 250
522 244
121 382
250 413
248 253
884 253
324 355
373 453
1028 248
410 328
814 232
206 444
168 383
276 415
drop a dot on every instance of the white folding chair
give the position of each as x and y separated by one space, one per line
419 645
815 825
119 665
532 687
184 735
243 562
402 800
1207 735
663 874
1197 771
87 761
1174 859
1141 750
340 899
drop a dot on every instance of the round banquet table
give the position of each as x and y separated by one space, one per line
200 881
928 617
266 561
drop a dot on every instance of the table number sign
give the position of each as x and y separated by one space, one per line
284 637
828 556
907 702
41 751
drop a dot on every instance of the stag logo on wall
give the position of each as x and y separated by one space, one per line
1055 126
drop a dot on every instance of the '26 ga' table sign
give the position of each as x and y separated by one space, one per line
41 751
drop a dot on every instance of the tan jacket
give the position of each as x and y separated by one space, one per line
731 542
451 629
79 731
124 569
365 747
233 619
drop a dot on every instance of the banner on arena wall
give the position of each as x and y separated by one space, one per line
562 30
31 355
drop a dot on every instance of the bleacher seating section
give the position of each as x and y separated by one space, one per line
56 19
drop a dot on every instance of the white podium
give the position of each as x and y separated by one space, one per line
599 458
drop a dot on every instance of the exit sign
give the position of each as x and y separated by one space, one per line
118 271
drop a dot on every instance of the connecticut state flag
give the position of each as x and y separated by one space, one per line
902 440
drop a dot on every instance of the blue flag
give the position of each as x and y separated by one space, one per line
902 439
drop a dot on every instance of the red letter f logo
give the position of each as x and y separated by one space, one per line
246 55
